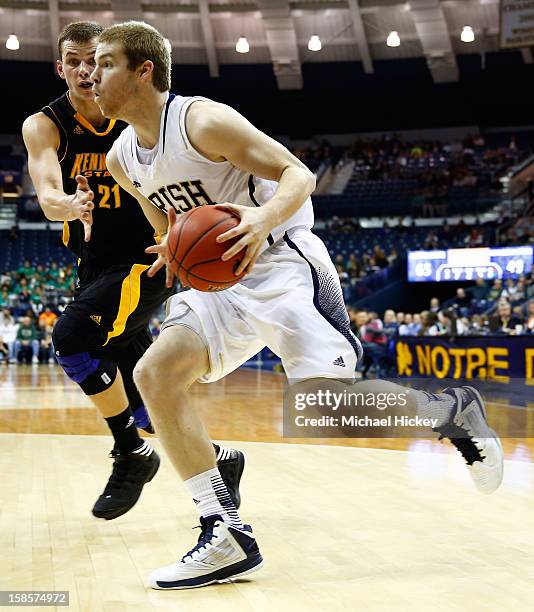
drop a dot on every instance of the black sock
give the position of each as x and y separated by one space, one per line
124 431
216 448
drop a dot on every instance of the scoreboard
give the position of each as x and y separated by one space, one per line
469 264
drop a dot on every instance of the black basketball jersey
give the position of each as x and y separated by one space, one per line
120 231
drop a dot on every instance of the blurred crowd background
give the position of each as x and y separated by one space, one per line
377 199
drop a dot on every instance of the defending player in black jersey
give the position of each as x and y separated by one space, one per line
103 332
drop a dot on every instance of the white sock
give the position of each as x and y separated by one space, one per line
438 406
211 496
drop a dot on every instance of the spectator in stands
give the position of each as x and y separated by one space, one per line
344 282
23 302
529 326
4 351
480 291
393 256
14 233
380 257
47 317
429 324
475 238
462 302
8 332
431 241
359 319
415 327
434 305
373 331
400 318
514 292
505 322
352 318
477 326
405 329
450 324
495 291
353 266
10 186
27 270
27 342
391 327
5 300
529 278
46 348
370 331
21 285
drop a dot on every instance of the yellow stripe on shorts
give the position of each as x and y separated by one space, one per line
66 233
130 294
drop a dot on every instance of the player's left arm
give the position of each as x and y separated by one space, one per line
155 217
220 133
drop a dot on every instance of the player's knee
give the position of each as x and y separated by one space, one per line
173 357
141 375
152 369
93 374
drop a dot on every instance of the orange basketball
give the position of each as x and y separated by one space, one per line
194 254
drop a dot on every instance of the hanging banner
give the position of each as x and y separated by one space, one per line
517 23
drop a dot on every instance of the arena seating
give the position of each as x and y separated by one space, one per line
40 246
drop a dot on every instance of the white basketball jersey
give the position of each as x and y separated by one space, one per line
174 174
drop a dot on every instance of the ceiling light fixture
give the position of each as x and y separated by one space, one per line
467 35
12 42
393 40
314 44
242 45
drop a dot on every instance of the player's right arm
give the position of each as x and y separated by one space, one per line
41 138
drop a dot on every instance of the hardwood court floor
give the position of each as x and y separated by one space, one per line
341 528
244 406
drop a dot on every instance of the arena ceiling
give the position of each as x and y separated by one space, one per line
278 31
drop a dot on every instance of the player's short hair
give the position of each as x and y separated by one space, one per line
141 42
79 32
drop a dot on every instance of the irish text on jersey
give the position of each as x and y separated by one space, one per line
181 196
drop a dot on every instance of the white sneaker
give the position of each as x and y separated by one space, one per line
469 431
222 552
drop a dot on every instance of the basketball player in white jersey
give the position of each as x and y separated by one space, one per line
179 153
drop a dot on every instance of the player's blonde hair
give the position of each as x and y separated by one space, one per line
141 42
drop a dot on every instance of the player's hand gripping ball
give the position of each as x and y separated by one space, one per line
194 255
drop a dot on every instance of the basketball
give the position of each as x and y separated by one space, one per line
194 254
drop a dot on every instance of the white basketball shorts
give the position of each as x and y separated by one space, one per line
291 302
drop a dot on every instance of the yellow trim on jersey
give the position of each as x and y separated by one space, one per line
65 237
130 294
81 119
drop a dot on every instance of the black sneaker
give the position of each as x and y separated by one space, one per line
231 464
130 473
